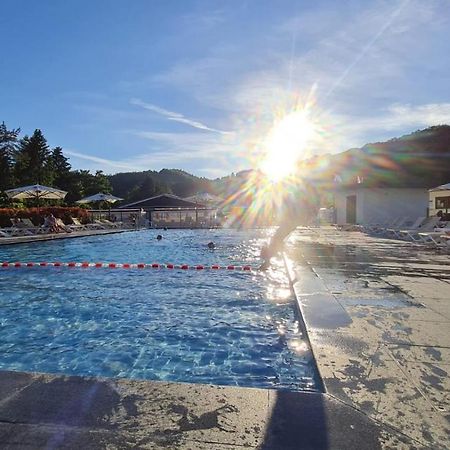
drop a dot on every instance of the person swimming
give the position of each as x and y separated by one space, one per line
211 245
159 237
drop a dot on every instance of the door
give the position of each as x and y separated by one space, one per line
351 209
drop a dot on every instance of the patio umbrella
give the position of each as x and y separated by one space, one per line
36 191
205 198
100 197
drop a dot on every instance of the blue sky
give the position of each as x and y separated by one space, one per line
196 85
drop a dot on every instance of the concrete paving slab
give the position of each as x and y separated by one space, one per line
89 413
317 421
370 379
417 353
390 360
433 381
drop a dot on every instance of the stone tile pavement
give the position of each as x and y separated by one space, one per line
386 349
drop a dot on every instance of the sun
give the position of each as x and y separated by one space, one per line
286 143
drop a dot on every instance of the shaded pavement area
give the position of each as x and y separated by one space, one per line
377 312
40 411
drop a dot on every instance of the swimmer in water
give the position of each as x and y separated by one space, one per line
159 237
211 245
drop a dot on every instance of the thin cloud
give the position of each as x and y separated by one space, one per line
176 117
102 161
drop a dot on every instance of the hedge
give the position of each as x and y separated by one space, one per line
38 219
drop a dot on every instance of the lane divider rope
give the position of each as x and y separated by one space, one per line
127 266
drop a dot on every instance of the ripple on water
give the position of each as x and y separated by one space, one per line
213 327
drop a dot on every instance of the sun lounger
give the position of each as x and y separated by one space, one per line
413 235
446 239
435 237
395 232
18 228
35 229
110 224
101 224
88 226
404 222
63 226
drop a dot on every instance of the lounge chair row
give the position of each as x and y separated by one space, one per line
423 230
25 227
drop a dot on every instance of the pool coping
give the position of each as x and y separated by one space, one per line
52 237
57 411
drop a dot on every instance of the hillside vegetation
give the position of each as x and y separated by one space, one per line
419 159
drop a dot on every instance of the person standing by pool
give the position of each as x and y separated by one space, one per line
300 207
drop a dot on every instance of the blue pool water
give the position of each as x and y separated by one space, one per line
231 328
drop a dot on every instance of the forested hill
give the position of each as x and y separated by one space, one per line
133 186
419 159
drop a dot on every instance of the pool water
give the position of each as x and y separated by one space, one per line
221 327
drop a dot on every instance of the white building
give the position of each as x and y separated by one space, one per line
368 205
439 199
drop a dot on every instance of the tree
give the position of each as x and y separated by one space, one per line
60 168
8 145
148 188
33 163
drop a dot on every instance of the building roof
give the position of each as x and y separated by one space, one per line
443 187
164 201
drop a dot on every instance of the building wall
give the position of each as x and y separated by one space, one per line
340 204
432 201
379 205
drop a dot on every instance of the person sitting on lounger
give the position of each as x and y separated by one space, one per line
52 223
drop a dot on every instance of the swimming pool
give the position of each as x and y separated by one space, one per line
221 327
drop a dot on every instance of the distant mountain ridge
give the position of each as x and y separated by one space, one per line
419 159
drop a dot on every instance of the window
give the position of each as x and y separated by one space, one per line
442 202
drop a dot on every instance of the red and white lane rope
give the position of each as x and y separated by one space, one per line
100 265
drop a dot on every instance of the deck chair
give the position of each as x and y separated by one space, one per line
110 224
395 232
88 226
20 229
36 229
101 224
62 225
387 231
435 237
76 225
413 235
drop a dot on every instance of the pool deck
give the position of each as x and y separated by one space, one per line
378 318
53 236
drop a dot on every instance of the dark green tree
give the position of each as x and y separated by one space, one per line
60 168
8 146
81 183
33 163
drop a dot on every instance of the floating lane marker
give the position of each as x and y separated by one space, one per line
100 265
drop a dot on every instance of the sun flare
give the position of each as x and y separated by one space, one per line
286 144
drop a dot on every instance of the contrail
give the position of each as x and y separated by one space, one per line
367 47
